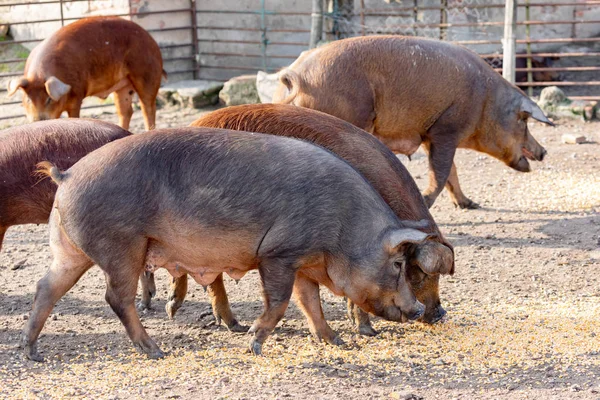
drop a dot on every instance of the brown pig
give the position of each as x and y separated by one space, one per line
368 156
412 91
94 56
24 197
206 201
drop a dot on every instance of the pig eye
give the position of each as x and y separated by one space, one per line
398 265
48 101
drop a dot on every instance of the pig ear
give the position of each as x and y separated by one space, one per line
434 258
14 85
56 88
532 109
399 237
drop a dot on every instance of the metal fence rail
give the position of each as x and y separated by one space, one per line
179 58
218 40
568 30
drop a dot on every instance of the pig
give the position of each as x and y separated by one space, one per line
24 199
367 155
94 56
536 62
206 201
411 91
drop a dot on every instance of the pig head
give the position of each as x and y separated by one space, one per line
503 132
43 98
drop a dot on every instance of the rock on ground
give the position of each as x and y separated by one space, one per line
240 90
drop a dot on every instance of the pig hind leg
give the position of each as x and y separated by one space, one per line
123 101
456 195
360 319
121 279
306 293
277 278
147 99
66 269
148 286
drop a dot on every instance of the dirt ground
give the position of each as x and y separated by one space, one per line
523 308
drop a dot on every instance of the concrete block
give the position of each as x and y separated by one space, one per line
569 138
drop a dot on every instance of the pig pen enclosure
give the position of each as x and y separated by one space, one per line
523 307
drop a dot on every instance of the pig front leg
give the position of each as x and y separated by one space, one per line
148 290
220 306
306 293
177 291
277 278
74 108
440 164
456 195
360 320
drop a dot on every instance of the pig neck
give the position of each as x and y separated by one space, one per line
499 104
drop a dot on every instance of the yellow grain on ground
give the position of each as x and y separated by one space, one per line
501 338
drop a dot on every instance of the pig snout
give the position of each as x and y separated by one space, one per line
537 154
435 316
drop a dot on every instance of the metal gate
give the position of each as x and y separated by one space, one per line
216 40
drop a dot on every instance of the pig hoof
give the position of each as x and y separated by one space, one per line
367 330
144 305
237 327
171 308
468 205
32 354
255 348
337 341
155 355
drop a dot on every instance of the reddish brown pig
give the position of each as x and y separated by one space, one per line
412 91
24 197
367 155
206 201
94 56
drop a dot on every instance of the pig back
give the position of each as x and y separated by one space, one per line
407 82
26 197
362 151
211 179
95 48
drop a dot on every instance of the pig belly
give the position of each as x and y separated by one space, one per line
204 268
103 94
403 145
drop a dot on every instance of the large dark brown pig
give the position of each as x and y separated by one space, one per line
94 56
412 91
536 62
207 201
24 198
368 156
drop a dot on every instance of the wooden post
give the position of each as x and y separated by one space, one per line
316 28
509 42
528 35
